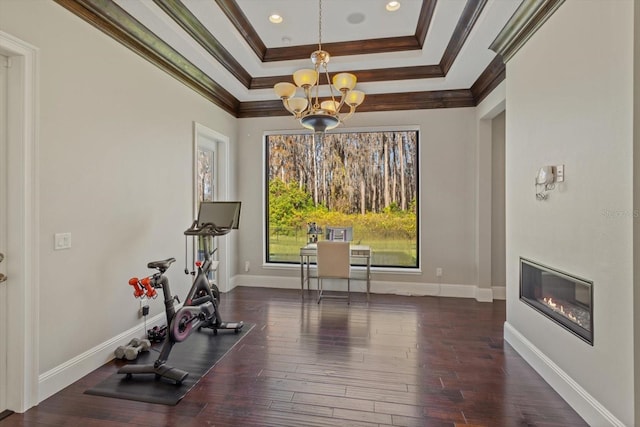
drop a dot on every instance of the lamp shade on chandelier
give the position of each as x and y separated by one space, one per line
314 113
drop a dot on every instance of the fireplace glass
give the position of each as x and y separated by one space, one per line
563 298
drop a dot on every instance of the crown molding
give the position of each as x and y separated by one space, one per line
468 19
491 77
108 17
526 20
187 20
376 102
379 75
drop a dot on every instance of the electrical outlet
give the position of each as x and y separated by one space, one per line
247 266
439 272
143 310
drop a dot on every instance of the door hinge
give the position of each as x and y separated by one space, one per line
7 62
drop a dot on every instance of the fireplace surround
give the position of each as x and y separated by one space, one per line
562 297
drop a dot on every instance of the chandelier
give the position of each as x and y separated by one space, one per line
314 114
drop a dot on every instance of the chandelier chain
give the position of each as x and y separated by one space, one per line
320 25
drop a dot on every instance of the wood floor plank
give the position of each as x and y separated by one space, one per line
334 402
393 361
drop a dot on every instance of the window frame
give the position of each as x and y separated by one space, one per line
266 263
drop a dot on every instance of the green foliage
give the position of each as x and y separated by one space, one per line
291 208
391 233
393 207
288 205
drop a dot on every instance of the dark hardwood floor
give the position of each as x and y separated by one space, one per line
395 361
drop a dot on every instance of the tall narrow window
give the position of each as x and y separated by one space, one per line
206 186
364 181
206 173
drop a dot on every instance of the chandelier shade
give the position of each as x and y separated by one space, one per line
354 98
344 81
284 90
313 113
329 106
305 77
298 105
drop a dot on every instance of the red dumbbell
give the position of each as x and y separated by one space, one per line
146 282
138 292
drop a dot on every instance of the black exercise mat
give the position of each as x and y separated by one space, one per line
196 355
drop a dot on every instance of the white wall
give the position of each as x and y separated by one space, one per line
447 187
115 167
569 101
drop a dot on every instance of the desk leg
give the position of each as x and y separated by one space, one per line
302 276
368 276
308 274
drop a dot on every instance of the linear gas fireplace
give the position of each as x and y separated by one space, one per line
565 299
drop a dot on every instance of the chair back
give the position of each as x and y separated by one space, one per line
333 259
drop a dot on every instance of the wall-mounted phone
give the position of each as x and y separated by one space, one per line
546 179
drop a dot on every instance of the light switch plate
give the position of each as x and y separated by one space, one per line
62 241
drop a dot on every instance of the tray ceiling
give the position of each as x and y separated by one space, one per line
428 54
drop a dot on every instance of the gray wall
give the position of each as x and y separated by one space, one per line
636 206
447 187
115 170
570 101
498 273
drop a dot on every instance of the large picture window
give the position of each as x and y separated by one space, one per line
364 181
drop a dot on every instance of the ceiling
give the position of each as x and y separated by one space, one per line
427 54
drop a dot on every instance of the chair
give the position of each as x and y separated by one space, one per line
333 260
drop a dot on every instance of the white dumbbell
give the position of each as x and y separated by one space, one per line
131 350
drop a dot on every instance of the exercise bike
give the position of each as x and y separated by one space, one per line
200 308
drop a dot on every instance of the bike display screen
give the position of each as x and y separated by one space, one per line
222 214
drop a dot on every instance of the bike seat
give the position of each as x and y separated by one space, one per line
161 265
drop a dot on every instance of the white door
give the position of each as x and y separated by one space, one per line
3 232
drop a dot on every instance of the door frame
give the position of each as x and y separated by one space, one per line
4 66
22 252
204 136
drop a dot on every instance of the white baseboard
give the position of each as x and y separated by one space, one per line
592 411
377 287
278 282
499 292
63 375
484 294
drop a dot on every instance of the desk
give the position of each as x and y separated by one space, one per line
358 252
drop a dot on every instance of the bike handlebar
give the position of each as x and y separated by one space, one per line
206 229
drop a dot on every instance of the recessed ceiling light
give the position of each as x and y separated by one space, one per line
392 6
275 18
